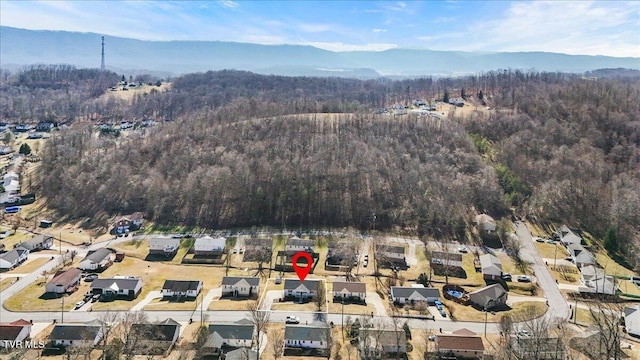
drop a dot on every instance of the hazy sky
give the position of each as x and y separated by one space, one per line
574 27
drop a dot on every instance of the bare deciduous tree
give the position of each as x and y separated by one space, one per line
260 320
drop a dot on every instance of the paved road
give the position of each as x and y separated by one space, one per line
558 307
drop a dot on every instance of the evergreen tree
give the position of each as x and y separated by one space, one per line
446 96
25 149
480 95
611 240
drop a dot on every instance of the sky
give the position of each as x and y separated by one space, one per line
574 27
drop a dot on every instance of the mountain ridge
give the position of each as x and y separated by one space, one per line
25 47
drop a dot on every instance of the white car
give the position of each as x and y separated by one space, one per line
292 320
462 249
5 234
523 278
79 304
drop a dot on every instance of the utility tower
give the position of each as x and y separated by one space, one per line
102 58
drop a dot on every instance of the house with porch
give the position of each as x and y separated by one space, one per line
85 335
410 295
313 336
345 290
64 281
97 260
224 335
489 297
240 286
463 346
181 289
301 290
117 288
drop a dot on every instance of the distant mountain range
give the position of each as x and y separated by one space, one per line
20 47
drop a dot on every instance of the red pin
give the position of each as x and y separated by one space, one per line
302 271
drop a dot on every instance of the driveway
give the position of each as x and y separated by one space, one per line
374 299
558 307
150 296
270 297
213 294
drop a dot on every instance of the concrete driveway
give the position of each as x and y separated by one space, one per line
374 299
270 297
148 299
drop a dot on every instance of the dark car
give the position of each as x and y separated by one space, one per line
95 298
90 277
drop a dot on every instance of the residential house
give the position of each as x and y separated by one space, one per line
128 223
13 258
123 288
490 297
567 236
456 102
446 259
411 295
632 320
6 150
491 267
64 281
11 185
377 344
580 256
349 291
237 334
97 260
312 336
207 246
181 288
398 109
528 348
152 338
242 354
19 330
164 245
240 286
391 256
82 335
295 244
303 290
456 346
37 243
44 127
595 280
485 224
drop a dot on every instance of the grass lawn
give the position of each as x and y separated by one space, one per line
29 266
469 313
549 251
584 316
611 267
6 282
523 288
32 298
352 309
628 287
228 304
565 275
134 248
159 304
509 265
292 306
14 239
527 310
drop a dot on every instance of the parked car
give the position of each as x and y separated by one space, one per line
524 278
90 277
538 239
5 234
438 304
462 249
443 313
507 277
432 338
79 304
95 298
524 333
292 320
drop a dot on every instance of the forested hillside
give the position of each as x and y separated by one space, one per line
231 152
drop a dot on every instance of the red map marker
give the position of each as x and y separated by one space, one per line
302 271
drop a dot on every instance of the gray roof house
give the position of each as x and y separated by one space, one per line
490 297
485 223
312 336
97 260
381 343
294 243
36 243
491 267
13 258
580 256
240 286
567 236
128 288
300 289
235 334
241 354
86 335
409 295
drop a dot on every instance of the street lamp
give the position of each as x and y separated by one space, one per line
62 310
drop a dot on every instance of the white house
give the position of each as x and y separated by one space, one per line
81 335
96 260
632 320
491 267
207 245
300 289
485 224
181 288
18 330
13 258
127 288
567 236
312 336
596 281
162 245
410 295
38 242
580 255
296 244
240 286
349 290
236 334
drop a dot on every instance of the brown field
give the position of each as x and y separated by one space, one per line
352 309
228 304
131 93
628 287
292 306
469 313
550 251
29 266
6 282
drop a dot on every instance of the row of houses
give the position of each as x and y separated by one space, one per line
21 251
203 246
